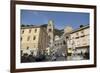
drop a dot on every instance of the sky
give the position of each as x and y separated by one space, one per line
61 19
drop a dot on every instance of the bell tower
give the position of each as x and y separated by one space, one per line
50 32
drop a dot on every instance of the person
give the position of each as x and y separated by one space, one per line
81 53
24 58
86 55
31 58
53 58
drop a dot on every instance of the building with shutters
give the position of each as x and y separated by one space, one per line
32 39
78 41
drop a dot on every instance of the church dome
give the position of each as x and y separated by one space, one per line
68 29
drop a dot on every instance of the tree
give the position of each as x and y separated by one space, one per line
81 26
22 25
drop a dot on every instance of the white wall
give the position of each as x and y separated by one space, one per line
5 37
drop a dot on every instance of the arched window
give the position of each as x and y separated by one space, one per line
34 37
64 42
67 37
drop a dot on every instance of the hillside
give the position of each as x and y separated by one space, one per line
58 32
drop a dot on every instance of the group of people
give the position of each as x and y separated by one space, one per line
31 58
40 58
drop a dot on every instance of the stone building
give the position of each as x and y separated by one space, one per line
78 40
60 42
72 42
34 39
60 47
42 39
38 39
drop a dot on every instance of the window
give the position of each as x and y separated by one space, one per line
22 31
69 48
35 30
21 38
27 47
32 52
64 42
77 37
49 30
66 37
34 37
29 30
28 38
82 32
21 52
55 44
73 42
83 36
72 37
77 34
